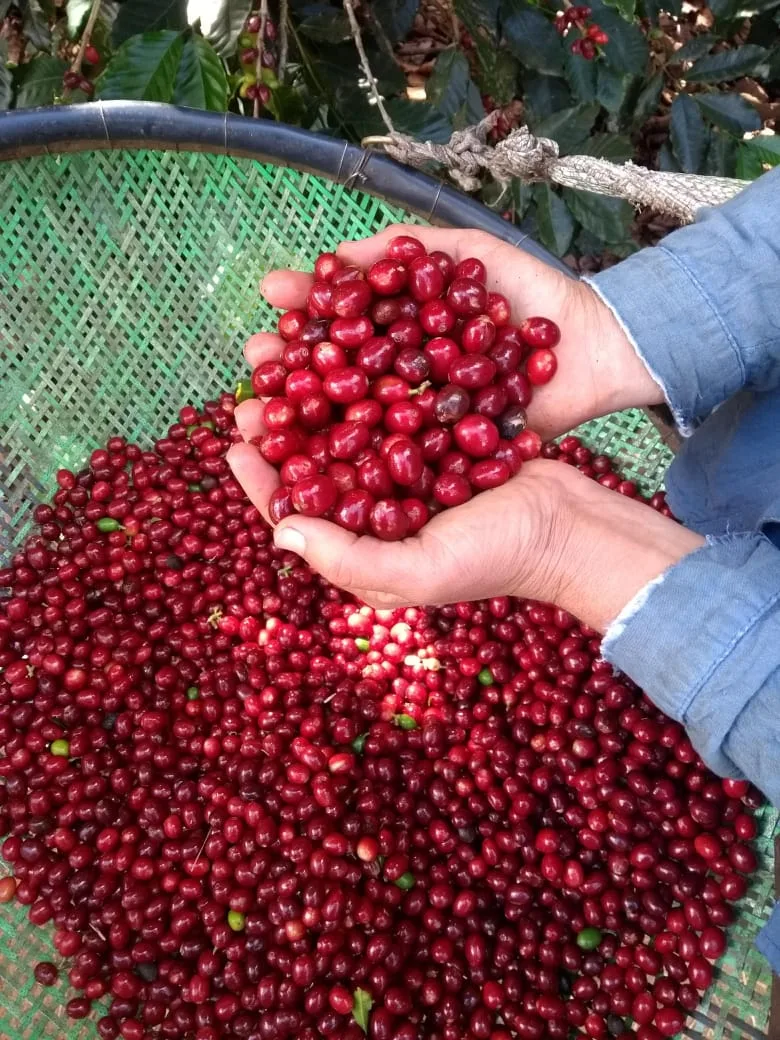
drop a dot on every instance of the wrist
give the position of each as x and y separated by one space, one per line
615 546
627 382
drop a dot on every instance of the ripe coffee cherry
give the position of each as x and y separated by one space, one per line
314 496
352 410
476 435
387 277
353 510
426 281
467 297
405 462
437 317
345 385
351 299
541 366
268 378
472 371
405 248
326 266
451 489
280 505
540 332
388 520
478 334
441 352
473 269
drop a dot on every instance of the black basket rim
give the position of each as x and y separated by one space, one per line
136 125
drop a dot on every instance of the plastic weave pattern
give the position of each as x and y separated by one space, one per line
129 285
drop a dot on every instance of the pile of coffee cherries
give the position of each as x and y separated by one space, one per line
250 807
400 391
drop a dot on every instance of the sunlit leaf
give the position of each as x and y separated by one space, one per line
201 81
227 25
144 68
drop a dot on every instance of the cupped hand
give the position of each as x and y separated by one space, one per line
516 539
598 369
508 541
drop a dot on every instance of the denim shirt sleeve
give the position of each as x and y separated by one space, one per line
702 306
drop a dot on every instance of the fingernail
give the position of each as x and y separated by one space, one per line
290 539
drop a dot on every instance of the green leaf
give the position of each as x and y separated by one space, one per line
695 48
531 37
447 85
556 224
688 133
729 111
625 8
749 165
499 77
361 1007
145 68
522 196
611 86
201 81
396 17
627 49
420 119
607 218
580 75
39 81
666 159
140 16
35 24
721 155
749 60
569 127
615 147
323 23
6 78
226 27
765 147
647 102
544 95
474 110
477 14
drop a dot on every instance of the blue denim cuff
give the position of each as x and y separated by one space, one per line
669 315
702 642
768 941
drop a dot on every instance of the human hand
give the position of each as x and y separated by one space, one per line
524 538
599 370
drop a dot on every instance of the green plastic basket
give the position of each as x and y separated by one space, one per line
129 286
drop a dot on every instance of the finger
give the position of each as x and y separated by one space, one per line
249 418
374 570
263 346
254 474
286 289
367 250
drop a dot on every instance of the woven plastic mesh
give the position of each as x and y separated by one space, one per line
129 285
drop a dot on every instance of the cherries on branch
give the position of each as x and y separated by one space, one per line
400 391
591 37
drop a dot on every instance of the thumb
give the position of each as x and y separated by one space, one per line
381 573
